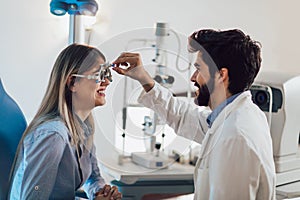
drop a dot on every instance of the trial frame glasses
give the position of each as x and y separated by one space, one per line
104 72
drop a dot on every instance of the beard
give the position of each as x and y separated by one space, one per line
203 97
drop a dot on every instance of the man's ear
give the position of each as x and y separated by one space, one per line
71 83
224 74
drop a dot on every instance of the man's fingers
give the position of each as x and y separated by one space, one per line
122 71
128 54
124 60
117 64
119 70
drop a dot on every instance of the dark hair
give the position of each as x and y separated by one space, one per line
230 49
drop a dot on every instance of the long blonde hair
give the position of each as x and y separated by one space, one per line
57 101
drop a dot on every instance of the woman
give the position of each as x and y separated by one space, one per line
56 155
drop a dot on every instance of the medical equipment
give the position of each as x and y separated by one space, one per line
162 30
77 9
262 95
160 69
150 158
104 72
73 7
284 93
149 130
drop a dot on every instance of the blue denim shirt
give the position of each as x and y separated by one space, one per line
48 167
211 118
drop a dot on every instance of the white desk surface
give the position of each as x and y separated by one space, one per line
130 172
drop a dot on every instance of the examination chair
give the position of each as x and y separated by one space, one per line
12 126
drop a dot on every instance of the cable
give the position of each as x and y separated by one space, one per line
138 40
178 53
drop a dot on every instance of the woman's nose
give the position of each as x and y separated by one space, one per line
105 82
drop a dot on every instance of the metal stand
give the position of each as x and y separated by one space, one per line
76 30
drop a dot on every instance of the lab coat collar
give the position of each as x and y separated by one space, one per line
228 109
211 118
208 144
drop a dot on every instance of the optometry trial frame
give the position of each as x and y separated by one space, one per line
104 72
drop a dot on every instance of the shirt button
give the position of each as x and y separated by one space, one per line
36 187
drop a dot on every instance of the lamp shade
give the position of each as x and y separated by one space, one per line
74 7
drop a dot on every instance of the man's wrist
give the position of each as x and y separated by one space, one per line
148 86
146 81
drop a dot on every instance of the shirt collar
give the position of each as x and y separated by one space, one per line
211 118
86 127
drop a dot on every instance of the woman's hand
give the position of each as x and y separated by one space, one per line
108 193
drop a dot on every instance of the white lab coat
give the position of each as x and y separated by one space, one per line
236 157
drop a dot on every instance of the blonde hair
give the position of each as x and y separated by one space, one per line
57 101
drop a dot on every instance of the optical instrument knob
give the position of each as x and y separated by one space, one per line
157 145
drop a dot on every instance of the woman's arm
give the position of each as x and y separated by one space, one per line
37 172
95 181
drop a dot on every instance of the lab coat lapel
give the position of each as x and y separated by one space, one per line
217 126
201 175
213 134
218 123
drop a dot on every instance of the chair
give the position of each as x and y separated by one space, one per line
12 126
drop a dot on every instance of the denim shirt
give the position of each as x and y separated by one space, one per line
211 118
48 167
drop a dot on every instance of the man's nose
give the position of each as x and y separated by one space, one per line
193 77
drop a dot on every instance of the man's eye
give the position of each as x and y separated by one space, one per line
197 66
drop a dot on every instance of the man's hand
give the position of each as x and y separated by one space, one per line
134 70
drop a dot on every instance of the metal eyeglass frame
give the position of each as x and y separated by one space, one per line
104 72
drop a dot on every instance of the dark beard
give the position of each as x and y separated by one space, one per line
204 93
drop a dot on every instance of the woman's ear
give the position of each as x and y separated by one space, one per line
71 83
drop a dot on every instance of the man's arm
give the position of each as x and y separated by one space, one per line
181 116
186 120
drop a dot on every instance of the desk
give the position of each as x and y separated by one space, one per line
135 181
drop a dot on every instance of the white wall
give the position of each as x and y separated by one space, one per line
31 37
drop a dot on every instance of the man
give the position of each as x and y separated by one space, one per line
236 158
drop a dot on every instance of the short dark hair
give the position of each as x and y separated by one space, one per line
230 49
